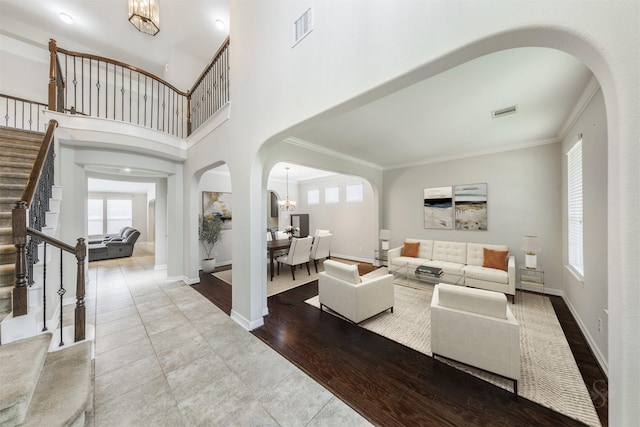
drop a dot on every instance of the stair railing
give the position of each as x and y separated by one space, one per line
28 218
22 113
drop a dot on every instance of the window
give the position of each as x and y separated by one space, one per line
119 214
332 195
94 215
574 196
354 193
313 197
302 26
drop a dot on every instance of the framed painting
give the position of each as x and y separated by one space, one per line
217 204
471 207
438 208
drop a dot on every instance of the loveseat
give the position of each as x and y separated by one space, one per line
114 246
356 298
480 265
475 327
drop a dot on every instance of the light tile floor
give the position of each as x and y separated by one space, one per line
166 356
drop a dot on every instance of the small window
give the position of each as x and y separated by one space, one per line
332 195
574 197
302 27
354 193
119 214
313 197
94 216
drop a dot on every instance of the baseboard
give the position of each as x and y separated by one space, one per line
244 322
352 258
160 267
186 280
592 345
539 290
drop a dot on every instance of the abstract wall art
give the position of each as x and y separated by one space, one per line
217 204
471 207
438 208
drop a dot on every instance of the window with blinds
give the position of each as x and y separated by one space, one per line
574 196
302 27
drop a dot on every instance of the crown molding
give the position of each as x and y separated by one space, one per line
332 153
587 95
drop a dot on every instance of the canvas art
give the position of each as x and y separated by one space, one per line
217 204
471 207
438 208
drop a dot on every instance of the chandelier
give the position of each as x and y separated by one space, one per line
145 15
287 205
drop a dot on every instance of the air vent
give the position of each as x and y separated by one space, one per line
302 27
504 112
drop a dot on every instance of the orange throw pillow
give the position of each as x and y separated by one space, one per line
495 259
411 249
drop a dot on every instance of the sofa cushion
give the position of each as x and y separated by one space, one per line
426 248
411 249
404 260
495 259
480 301
487 274
346 272
475 252
450 251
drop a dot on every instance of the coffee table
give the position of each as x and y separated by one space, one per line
405 273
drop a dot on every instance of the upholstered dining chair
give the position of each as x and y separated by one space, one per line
298 254
320 249
269 238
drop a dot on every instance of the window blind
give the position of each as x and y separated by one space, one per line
574 196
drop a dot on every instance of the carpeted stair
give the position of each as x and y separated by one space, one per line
41 388
19 150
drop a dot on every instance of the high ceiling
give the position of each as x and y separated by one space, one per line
447 116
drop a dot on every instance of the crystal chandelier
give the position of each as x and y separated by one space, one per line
287 205
145 15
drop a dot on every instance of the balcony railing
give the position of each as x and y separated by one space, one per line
95 86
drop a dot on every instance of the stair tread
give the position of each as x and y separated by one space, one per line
7 249
64 390
21 363
5 292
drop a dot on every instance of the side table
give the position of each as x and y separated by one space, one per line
532 276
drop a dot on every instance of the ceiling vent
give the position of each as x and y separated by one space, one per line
302 27
504 112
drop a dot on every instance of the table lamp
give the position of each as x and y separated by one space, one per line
531 245
385 235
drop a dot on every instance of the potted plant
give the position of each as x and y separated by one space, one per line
209 233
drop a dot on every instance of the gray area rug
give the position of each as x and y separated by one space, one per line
549 374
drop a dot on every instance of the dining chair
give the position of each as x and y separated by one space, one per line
320 249
269 238
298 254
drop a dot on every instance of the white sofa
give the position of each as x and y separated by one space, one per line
356 298
459 259
476 327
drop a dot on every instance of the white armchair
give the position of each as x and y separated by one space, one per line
298 254
341 289
476 327
320 248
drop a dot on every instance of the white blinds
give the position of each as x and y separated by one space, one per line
574 193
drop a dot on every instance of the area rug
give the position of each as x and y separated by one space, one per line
284 282
549 374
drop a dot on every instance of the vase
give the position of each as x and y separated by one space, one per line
208 265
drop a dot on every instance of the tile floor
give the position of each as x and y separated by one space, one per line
166 356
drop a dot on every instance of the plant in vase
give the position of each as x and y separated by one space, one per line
209 233
291 230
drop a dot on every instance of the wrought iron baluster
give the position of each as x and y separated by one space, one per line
61 293
44 288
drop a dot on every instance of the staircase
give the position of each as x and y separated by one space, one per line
19 150
41 388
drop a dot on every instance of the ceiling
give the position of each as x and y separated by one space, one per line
444 117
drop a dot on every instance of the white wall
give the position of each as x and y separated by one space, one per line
588 299
139 210
523 198
353 224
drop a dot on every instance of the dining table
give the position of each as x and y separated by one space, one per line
276 245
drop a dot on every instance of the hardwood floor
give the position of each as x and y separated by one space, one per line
390 384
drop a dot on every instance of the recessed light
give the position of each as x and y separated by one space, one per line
67 19
126 170
220 24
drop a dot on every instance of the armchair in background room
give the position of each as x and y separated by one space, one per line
320 248
298 254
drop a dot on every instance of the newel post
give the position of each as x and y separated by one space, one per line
53 54
19 224
80 312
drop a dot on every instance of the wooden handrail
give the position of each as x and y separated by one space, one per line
51 240
29 192
222 47
28 101
118 63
